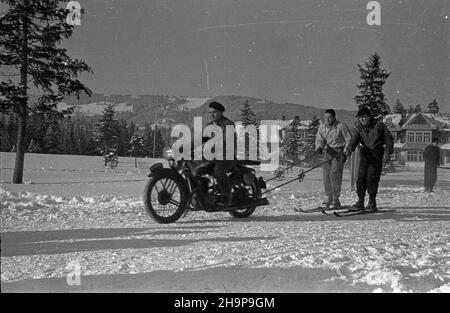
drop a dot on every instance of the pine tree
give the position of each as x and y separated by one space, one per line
371 88
8 129
69 144
159 143
293 143
52 138
34 147
136 145
433 107
248 118
418 109
107 129
124 137
148 140
309 143
30 34
153 142
398 108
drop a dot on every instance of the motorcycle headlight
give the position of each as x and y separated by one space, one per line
168 154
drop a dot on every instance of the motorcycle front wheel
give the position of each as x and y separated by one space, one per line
165 197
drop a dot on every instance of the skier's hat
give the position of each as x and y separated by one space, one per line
217 106
363 111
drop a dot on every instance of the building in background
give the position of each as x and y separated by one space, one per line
415 133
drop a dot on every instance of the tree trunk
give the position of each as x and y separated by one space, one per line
20 146
21 109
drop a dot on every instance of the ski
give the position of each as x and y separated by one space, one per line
322 209
315 210
360 212
343 209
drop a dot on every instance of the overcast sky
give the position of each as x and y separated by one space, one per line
285 50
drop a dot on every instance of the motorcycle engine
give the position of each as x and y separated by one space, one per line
208 195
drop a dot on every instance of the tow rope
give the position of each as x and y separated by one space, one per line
300 176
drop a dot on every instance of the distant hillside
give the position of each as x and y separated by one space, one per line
268 110
174 109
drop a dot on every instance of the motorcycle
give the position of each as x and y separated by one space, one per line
190 186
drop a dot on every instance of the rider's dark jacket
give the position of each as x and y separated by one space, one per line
223 122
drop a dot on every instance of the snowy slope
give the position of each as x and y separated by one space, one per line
407 250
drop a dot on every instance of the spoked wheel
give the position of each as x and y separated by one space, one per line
165 197
252 192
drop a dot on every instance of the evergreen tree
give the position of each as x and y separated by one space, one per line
148 140
132 128
86 143
52 138
293 143
418 109
107 129
309 143
8 130
124 137
136 146
248 117
30 34
37 127
159 143
69 144
410 110
371 88
398 108
34 147
433 107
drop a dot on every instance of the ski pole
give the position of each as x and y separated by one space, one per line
289 167
299 177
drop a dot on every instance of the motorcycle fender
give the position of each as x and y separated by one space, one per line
155 168
158 168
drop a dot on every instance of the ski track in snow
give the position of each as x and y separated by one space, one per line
403 251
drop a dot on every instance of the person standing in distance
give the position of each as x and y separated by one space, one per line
431 157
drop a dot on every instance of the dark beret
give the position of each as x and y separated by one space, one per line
217 106
363 111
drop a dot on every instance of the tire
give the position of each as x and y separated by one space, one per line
157 197
244 213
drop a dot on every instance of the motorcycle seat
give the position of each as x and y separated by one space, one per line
248 162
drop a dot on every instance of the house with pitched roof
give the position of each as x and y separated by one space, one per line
416 133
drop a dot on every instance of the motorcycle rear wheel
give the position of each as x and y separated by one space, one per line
256 195
165 193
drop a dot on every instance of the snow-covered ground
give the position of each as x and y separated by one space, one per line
72 209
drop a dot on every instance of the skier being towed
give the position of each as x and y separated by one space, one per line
373 136
332 138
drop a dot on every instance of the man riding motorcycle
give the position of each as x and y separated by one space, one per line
221 167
